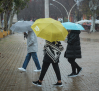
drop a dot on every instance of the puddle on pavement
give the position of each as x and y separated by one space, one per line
91 40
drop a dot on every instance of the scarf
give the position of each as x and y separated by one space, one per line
53 50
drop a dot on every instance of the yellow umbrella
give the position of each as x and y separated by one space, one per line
49 29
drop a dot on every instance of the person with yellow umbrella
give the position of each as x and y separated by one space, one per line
53 32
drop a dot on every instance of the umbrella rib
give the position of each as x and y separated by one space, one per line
61 32
47 26
43 28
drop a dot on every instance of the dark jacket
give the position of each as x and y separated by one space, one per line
73 49
52 52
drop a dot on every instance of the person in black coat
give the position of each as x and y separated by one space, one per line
52 51
73 51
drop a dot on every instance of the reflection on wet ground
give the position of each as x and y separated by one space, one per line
91 40
13 50
86 40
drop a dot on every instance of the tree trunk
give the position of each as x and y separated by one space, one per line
10 20
92 29
10 23
5 20
0 22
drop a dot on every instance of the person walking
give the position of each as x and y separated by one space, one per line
32 48
73 51
52 51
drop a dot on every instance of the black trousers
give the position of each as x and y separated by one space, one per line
74 65
45 68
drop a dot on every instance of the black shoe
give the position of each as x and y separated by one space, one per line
37 83
58 84
79 70
72 75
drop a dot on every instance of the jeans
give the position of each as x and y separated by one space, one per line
27 59
45 67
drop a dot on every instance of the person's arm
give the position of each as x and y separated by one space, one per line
32 39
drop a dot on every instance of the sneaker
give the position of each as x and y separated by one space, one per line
72 75
79 71
58 84
22 69
37 83
37 70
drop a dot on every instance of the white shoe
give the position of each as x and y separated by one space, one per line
22 69
37 70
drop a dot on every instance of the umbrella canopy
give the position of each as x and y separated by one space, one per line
72 26
83 21
87 21
97 21
49 29
22 26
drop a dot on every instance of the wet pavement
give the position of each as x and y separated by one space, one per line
13 50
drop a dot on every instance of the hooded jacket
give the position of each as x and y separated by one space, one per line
32 45
73 49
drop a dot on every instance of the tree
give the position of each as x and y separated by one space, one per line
16 6
6 5
1 10
11 7
93 4
90 7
